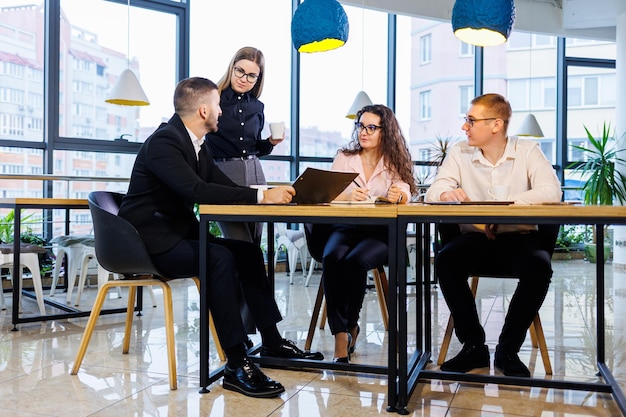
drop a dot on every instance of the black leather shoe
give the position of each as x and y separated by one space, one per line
249 380
469 358
288 349
510 364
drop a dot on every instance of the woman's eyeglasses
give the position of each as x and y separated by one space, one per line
250 77
369 129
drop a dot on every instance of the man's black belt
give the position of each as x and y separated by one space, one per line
237 158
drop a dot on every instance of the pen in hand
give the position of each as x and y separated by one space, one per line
359 186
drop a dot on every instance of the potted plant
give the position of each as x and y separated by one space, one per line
28 237
604 184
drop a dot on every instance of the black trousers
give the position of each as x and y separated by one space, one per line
234 267
349 253
471 253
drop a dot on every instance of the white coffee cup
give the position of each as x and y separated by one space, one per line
278 130
499 192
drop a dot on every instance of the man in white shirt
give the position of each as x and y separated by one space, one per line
488 166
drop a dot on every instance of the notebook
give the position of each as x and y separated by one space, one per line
315 186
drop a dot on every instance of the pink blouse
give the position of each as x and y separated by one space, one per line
382 178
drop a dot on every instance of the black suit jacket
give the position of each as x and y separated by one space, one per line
167 180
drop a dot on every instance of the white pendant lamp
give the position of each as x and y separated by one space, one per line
361 100
530 127
127 91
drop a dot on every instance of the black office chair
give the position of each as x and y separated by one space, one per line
120 249
316 237
495 268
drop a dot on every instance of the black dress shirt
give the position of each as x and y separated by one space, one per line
239 128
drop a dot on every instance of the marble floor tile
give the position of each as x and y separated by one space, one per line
35 361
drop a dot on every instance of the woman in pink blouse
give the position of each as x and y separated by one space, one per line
379 153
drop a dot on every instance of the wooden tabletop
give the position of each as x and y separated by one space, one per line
19 201
514 210
326 210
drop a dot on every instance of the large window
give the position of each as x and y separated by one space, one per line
266 28
434 80
21 73
330 82
89 44
93 55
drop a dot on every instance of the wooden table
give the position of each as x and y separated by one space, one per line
18 204
342 213
423 215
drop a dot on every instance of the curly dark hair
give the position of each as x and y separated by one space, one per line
393 144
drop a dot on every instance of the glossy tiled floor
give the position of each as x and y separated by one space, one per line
36 360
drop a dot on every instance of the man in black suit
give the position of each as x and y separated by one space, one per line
174 169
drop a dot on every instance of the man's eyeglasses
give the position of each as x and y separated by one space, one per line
251 77
369 129
471 121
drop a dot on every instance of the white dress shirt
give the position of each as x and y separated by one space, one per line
523 168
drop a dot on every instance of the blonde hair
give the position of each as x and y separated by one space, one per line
251 54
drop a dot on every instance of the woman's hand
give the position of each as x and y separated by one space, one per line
359 194
276 141
396 195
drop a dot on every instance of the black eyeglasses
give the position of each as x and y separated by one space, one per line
471 121
240 73
369 129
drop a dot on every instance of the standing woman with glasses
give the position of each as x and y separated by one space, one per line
237 144
379 153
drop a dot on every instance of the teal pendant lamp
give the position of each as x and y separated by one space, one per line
319 25
483 22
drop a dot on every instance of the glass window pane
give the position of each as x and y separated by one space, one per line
260 26
331 80
21 72
524 71
431 99
91 166
94 52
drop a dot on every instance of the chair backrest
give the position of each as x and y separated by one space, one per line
119 248
316 236
547 232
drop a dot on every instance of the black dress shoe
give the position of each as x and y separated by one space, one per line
510 364
288 349
470 357
249 380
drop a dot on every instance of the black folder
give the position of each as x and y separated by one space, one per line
315 186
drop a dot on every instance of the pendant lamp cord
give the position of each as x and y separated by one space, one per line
128 34
362 46
530 64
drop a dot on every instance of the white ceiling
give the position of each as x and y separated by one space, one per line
572 18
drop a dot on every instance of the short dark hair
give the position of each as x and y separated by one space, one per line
189 92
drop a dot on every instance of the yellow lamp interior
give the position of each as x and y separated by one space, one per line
124 102
321 46
480 37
